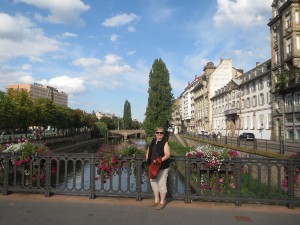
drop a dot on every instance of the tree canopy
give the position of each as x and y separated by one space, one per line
160 100
127 120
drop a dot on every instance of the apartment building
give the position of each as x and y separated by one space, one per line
40 91
99 115
285 67
187 108
194 107
213 78
245 104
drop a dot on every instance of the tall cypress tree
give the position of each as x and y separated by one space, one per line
160 100
127 115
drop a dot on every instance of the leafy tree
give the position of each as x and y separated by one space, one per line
160 100
7 110
100 129
43 113
136 125
109 122
78 121
90 119
18 109
127 115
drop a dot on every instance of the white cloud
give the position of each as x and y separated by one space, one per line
20 37
111 72
70 85
61 11
131 29
114 37
111 59
243 13
12 76
26 67
121 20
159 11
131 52
68 34
87 62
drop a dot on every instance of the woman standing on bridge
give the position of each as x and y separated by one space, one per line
159 147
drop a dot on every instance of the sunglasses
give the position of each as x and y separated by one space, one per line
157 132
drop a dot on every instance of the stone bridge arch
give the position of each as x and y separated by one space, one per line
126 133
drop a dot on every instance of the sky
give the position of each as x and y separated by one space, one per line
100 52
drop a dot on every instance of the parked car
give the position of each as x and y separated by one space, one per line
247 136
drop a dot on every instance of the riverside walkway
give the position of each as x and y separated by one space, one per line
27 209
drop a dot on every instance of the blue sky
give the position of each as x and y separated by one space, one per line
100 52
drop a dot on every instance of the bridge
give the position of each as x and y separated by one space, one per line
126 133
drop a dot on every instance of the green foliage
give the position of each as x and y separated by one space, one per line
127 115
130 150
136 125
282 80
101 128
178 150
160 100
19 111
109 122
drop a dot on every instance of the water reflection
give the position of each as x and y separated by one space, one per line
76 175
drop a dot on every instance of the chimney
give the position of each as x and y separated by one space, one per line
257 64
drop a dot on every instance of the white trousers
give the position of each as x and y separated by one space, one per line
159 183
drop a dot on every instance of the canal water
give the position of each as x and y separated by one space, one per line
118 181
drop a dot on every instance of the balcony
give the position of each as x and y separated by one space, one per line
232 111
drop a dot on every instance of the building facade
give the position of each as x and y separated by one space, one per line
213 78
40 91
285 54
245 104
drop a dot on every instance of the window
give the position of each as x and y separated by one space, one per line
248 103
260 84
288 21
297 102
289 103
296 17
289 120
253 122
233 104
268 98
276 57
247 89
275 36
269 82
289 100
243 104
254 101
289 46
245 123
261 124
261 99
253 87
248 121
298 42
